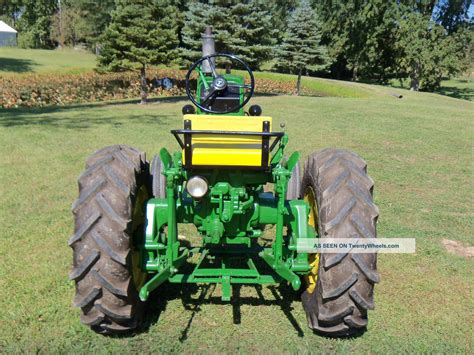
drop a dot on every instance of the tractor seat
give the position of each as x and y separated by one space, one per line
218 147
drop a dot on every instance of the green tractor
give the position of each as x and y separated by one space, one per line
126 243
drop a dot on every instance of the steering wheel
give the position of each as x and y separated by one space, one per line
219 83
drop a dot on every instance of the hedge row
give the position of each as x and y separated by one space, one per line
34 90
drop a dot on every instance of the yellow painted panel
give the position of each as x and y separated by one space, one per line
227 123
227 157
227 150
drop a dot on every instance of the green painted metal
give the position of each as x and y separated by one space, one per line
203 80
281 268
292 161
230 218
262 280
206 80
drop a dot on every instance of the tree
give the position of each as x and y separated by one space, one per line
464 39
244 28
10 11
280 10
426 52
141 33
301 48
67 25
34 23
452 14
359 36
96 16
257 30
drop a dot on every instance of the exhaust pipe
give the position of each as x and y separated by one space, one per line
208 48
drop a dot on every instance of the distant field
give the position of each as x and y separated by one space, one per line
458 88
419 152
321 87
16 60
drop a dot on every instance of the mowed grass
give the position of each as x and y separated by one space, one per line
16 60
460 88
419 152
321 87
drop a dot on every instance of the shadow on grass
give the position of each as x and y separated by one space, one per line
193 297
16 65
67 116
462 93
283 296
456 92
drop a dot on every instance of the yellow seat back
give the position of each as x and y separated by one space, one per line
212 150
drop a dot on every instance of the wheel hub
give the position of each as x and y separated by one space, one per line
312 277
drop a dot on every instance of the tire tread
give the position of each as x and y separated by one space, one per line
344 291
101 241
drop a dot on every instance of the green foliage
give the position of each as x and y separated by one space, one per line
244 28
301 49
26 40
452 14
372 39
10 11
359 36
95 17
464 38
280 10
426 53
67 25
35 22
141 33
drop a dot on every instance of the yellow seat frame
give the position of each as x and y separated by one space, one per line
226 150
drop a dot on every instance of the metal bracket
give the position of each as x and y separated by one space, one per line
281 269
265 144
188 149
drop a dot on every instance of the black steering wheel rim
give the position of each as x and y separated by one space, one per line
208 57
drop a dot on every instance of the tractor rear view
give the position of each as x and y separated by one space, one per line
126 244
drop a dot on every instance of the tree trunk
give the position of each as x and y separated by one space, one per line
298 83
143 86
414 84
355 76
415 77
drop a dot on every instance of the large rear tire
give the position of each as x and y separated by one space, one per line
343 207
109 214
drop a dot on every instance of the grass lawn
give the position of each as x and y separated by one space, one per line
419 151
462 88
17 60
459 88
322 87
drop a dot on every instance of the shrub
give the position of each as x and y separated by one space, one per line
33 90
26 40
